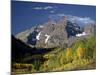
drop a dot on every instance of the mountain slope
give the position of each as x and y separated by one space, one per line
55 33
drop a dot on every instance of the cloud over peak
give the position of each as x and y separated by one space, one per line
77 19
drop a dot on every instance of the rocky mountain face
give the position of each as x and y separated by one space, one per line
90 29
51 34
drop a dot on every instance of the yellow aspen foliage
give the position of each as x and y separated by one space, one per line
80 52
62 59
66 57
69 55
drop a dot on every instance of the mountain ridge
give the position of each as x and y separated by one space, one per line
55 33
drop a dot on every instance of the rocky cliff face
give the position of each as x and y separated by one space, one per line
90 29
54 33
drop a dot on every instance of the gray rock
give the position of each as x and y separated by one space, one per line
51 34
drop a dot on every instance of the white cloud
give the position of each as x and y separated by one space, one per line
84 20
48 7
60 15
38 8
52 11
43 8
77 19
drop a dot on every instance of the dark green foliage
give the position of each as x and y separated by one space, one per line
37 64
90 47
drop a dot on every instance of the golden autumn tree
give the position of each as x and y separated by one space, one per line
62 59
66 56
80 52
69 55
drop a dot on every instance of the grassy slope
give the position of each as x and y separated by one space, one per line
81 56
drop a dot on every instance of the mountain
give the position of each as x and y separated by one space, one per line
90 29
61 33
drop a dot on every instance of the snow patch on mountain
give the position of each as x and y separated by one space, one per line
82 34
47 38
38 36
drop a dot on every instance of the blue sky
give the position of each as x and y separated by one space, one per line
25 15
